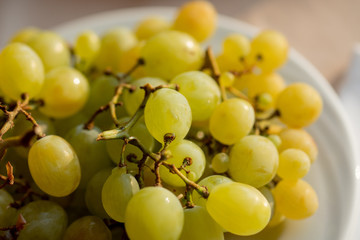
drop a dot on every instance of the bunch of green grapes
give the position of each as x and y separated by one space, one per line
197 144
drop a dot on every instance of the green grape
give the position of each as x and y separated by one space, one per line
65 92
91 153
45 220
117 191
167 111
275 139
130 58
63 126
299 105
197 18
266 192
54 166
232 120
238 208
295 199
299 139
293 164
154 213
253 160
51 48
179 151
227 79
89 228
87 46
264 101
139 130
236 46
269 50
113 44
201 91
93 193
132 100
25 35
170 53
220 163
210 183
7 213
21 71
150 27
198 225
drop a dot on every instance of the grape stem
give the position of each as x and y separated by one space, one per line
91 122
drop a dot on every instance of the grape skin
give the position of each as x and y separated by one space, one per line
89 228
293 164
150 26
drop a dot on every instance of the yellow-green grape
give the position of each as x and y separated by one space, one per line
54 166
25 35
65 92
167 111
299 139
263 101
179 151
293 164
201 91
139 130
88 227
132 100
238 208
21 71
150 27
269 50
299 105
87 46
253 160
44 220
170 53
7 213
113 44
275 139
231 120
295 199
198 225
129 58
210 183
117 191
157 212
51 48
91 153
93 193
220 163
197 18
226 79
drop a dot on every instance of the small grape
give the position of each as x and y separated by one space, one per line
227 79
293 164
150 27
275 139
236 46
220 163
87 46
88 227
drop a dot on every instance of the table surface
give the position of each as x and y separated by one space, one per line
324 31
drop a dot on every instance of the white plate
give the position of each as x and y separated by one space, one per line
335 174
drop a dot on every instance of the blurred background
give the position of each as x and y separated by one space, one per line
324 31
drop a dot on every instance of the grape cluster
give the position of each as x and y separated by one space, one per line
143 134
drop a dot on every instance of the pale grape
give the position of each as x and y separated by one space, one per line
7 213
293 164
220 162
44 220
198 225
132 100
295 199
21 71
179 151
92 154
25 35
210 183
88 227
54 166
232 120
150 27
197 18
52 49
167 111
236 46
269 51
201 91
130 58
170 53
275 139
157 212
254 160
227 79
299 105
65 92
238 208
87 47
117 191
299 139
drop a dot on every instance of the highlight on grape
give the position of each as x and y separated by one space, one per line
146 133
